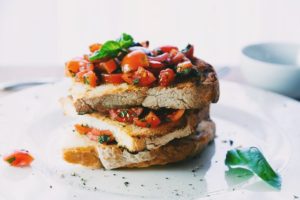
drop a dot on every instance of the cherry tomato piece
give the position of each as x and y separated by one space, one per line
90 79
19 159
81 129
112 78
95 47
143 77
166 77
175 116
133 60
108 66
167 48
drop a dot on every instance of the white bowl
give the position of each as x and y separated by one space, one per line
273 66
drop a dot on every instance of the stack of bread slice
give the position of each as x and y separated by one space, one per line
112 121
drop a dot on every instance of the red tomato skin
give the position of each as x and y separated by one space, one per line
168 48
133 60
19 158
166 77
112 78
108 66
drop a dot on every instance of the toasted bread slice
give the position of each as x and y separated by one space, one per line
136 138
113 156
194 93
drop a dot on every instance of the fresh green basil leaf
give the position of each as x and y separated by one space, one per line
125 40
253 160
103 139
112 48
109 49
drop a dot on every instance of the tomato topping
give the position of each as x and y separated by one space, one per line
133 60
112 78
125 115
108 66
175 116
75 64
95 47
90 79
152 119
141 122
160 58
166 77
143 77
81 129
156 64
128 78
19 159
101 136
184 67
177 57
168 48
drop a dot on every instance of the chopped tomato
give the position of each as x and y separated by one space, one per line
75 64
98 132
112 78
108 66
166 77
95 47
184 67
101 136
90 79
160 58
156 64
87 67
143 77
133 60
177 57
167 48
128 78
189 51
152 119
125 115
141 122
81 129
19 159
175 116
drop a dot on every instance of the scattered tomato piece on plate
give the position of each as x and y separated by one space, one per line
19 158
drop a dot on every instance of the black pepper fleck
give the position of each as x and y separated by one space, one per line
123 177
50 186
126 183
296 197
230 142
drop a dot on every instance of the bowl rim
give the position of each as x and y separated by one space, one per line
243 52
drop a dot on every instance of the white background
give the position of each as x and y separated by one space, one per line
46 33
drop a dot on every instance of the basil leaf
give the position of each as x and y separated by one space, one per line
253 160
125 40
109 49
103 139
112 48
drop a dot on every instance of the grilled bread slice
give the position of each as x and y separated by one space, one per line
193 93
113 156
136 138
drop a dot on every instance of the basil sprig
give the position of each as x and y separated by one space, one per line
253 160
112 48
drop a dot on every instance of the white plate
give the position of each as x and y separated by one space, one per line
33 120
